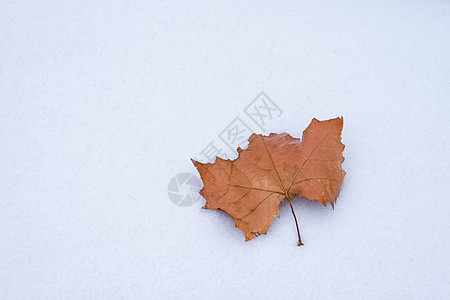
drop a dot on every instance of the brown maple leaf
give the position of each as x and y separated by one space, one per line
274 168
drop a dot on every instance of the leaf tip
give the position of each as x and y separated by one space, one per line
196 163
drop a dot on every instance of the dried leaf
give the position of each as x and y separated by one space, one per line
274 168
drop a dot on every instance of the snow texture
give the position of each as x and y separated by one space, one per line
102 103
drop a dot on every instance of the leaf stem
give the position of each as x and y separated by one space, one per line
296 223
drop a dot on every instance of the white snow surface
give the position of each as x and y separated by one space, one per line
103 102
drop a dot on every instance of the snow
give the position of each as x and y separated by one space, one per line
103 103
